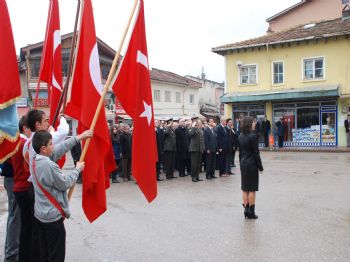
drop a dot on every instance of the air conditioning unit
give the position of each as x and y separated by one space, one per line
112 107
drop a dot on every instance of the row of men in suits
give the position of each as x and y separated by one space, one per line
184 145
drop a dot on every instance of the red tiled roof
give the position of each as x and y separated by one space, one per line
320 30
169 77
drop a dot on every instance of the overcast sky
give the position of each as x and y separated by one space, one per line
180 33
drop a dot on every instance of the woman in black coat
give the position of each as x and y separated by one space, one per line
250 164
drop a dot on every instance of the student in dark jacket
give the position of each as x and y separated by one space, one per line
182 144
223 145
210 149
250 164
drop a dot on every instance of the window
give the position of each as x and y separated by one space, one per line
156 95
278 70
191 99
34 68
65 65
105 71
313 68
248 75
178 97
167 96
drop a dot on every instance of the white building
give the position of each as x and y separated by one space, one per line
209 96
174 95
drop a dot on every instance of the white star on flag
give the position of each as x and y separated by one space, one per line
147 113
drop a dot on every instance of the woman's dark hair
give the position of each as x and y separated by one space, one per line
41 138
246 124
33 116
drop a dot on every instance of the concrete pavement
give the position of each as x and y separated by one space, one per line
303 208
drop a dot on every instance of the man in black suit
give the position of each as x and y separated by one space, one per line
125 146
182 144
169 150
160 143
223 144
210 149
230 155
347 127
265 130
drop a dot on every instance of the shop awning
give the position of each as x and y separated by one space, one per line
282 94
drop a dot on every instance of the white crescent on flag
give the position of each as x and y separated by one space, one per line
56 43
95 73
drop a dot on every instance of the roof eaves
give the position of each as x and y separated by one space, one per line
220 50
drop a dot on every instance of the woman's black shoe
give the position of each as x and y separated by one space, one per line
194 179
251 211
246 211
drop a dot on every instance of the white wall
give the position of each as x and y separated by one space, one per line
173 108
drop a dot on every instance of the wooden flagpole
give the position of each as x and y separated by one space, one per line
63 96
105 89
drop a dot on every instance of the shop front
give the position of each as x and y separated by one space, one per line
309 115
307 123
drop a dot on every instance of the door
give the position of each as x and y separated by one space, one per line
329 128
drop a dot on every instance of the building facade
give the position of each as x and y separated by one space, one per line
29 67
174 95
306 11
299 76
209 96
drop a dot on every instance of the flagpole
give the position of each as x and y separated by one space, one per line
63 97
105 90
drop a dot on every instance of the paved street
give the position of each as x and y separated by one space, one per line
303 208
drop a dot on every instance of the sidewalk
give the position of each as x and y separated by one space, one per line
338 149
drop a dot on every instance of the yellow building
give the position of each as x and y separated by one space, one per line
300 75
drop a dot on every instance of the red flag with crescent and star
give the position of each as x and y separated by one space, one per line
51 61
85 95
132 86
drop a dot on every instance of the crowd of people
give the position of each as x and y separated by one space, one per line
37 187
188 146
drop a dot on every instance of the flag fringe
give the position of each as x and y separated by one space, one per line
9 155
9 103
8 137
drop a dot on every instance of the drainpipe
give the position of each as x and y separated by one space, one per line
268 53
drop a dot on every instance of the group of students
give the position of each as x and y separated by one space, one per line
37 190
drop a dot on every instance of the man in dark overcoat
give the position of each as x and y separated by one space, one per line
169 150
265 130
182 144
196 148
223 144
210 149
160 144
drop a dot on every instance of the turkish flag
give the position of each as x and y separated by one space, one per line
133 89
10 89
85 95
51 59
